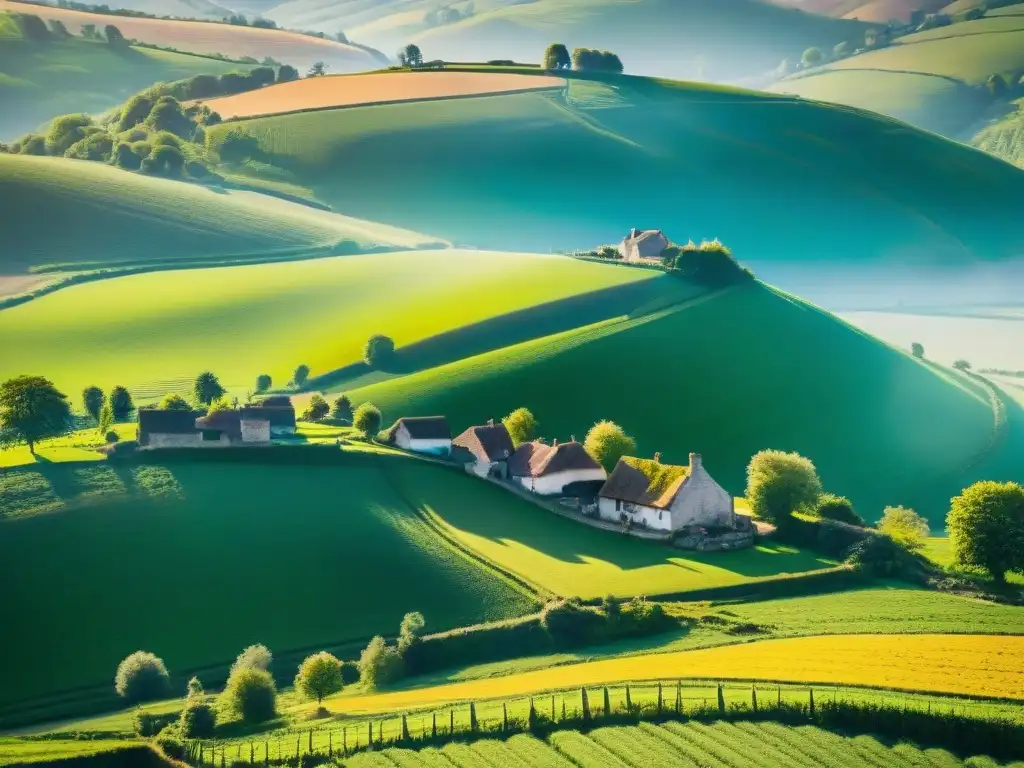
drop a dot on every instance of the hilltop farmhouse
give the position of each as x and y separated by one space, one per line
548 469
665 497
250 425
643 245
488 449
424 434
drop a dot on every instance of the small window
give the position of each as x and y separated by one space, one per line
660 512
211 435
618 505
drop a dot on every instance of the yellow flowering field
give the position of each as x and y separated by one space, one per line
988 665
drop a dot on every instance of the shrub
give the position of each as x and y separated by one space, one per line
286 73
163 161
32 27
378 351
319 676
883 557
233 82
831 507
317 409
125 157
202 86
710 263
962 365
986 526
33 144
572 624
65 131
342 409
198 720
813 57
367 419
590 60
917 350
380 663
114 36
174 402
92 400
146 724
97 146
233 145
172 746
607 442
779 484
904 526
135 110
195 689
111 436
250 694
521 426
263 382
301 375
196 170
141 677
253 657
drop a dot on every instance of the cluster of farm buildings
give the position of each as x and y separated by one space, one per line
642 492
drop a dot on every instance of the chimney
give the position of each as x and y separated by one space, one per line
490 422
632 233
554 443
695 462
572 438
657 458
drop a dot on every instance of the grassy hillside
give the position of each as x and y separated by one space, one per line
1004 138
537 171
349 566
676 38
318 312
106 214
204 37
41 80
747 370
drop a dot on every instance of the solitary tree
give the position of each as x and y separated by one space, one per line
986 526
58 29
557 57
521 426
342 409
380 663
319 676
379 351
141 677
89 32
780 483
607 442
263 382
367 419
962 365
31 409
842 50
904 526
92 400
410 56
319 69
251 694
917 350
813 57
207 388
174 402
114 36
301 375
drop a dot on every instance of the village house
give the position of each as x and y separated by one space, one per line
279 411
665 497
245 426
488 447
168 428
548 469
423 434
643 245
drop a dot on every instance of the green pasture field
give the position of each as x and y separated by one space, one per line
79 445
940 551
242 321
115 218
1005 138
39 81
567 558
221 556
883 429
21 752
925 100
969 51
518 171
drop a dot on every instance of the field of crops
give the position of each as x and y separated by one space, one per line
517 171
114 218
566 558
326 92
319 556
300 51
747 382
318 312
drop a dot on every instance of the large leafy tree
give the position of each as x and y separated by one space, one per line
986 526
557 57
367 419
319 676
780 483
121 405
31 409
92 400
206 388
411 56
607 442
378 351
301 375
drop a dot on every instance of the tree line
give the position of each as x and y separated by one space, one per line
557 57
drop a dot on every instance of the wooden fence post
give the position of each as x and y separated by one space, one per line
659 698
721 700
753 697
433 726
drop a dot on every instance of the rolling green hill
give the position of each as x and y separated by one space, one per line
40 80
777 179
718 41
109 217
727 376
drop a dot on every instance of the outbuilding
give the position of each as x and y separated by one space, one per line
490 447
423 434
643 245
167 428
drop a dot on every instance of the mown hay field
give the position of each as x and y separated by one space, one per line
223 555
240 322
300 51
751 378
326 92
567 558
982 665
115 218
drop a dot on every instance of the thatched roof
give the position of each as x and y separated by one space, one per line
537 459
645 481
426 427
490 442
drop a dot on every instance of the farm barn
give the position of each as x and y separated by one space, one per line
665 497
548 469
640 245
490 446
168 429
424 434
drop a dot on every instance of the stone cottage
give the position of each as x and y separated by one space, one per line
642 245
247 426
665 497
488 448
279 411
548 469
160 428
423 434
